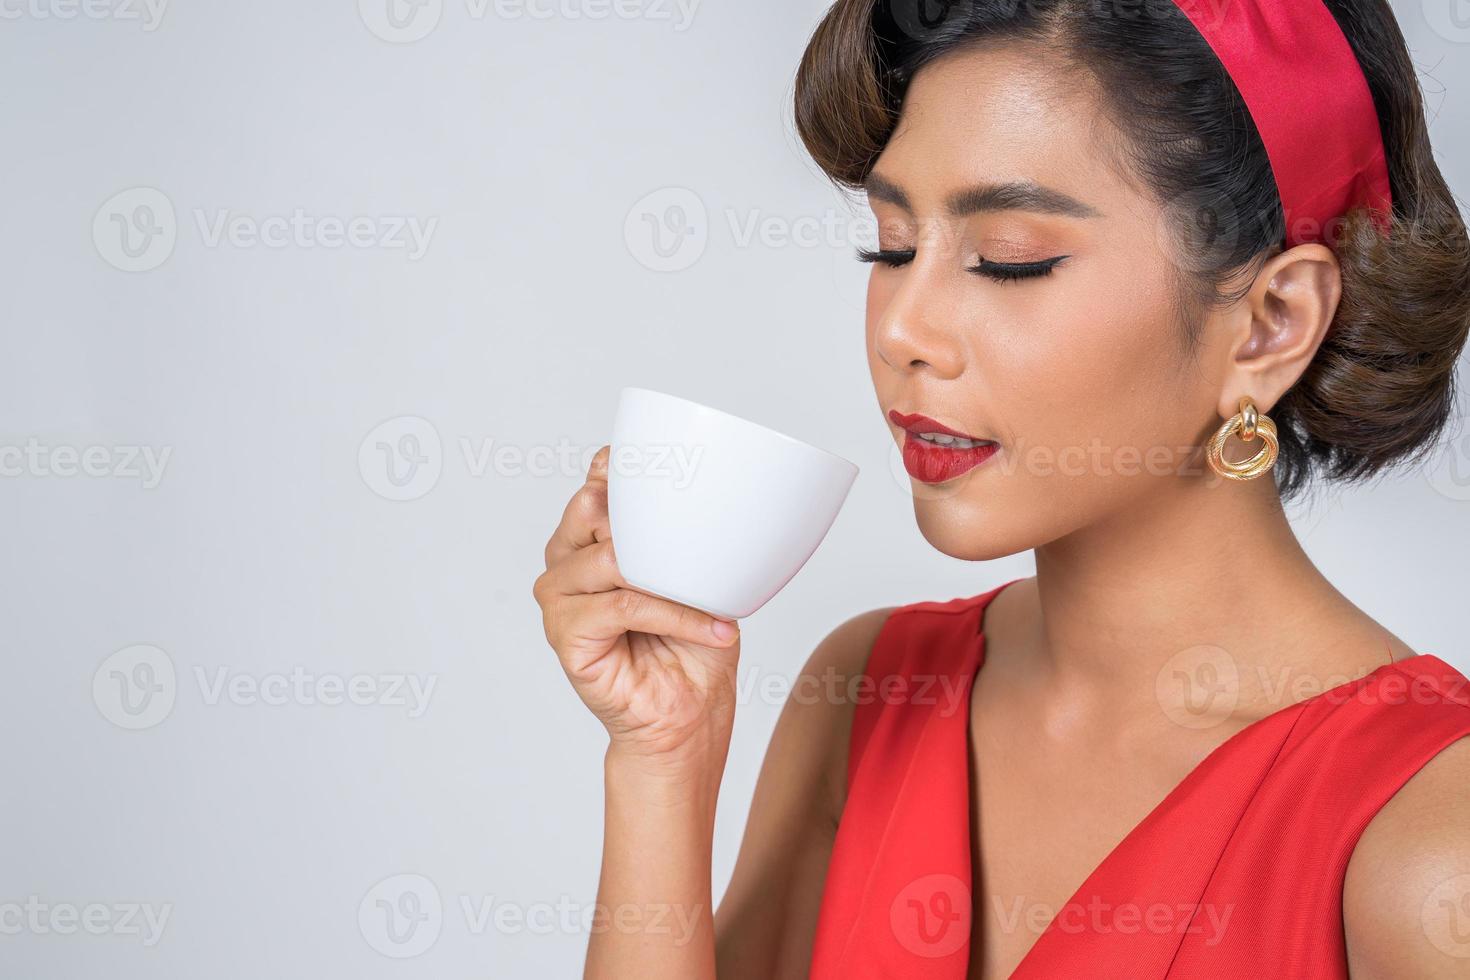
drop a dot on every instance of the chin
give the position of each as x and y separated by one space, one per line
962 528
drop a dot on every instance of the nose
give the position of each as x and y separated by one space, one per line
911 334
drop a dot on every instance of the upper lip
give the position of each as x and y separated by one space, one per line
922 423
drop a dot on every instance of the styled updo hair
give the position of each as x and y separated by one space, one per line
1382 385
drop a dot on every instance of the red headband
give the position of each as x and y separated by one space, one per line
1310 102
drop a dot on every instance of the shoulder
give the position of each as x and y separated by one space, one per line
807 753
1406 894
766 919
843 653
849 642
823 700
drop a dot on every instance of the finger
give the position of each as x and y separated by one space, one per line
597 469
606 615
587 570
584 522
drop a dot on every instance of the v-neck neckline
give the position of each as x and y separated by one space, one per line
977 661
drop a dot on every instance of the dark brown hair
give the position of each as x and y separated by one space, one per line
1382 385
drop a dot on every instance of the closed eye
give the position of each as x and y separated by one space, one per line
886 256
1009 271
998 271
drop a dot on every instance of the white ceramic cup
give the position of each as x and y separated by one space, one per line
712 510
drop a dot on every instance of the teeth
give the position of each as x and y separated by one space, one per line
954 442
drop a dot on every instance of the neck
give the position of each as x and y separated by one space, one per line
1206 579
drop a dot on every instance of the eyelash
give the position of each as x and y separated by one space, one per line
999 271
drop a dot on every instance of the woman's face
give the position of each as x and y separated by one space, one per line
1078 375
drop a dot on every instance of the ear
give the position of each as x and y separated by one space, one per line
1277 327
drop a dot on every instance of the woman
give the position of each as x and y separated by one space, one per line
1103 229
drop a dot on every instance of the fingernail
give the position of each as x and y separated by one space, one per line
723 629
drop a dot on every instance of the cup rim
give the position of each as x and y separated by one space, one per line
745 421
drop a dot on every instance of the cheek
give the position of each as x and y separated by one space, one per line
1099 359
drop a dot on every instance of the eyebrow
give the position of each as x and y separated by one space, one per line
1015 195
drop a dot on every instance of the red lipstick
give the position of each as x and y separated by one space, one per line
946 455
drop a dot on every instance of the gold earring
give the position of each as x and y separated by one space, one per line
1249 424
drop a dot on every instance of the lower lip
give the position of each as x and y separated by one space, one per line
929 462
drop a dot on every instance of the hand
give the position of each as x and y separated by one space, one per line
659 675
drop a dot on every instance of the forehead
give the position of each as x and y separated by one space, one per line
1000 113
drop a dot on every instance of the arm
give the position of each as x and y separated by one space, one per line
659 818
652 917
768 916
1406 897
661 677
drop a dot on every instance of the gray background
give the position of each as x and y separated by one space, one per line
533 151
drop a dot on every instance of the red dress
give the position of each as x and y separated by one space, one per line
1238 872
